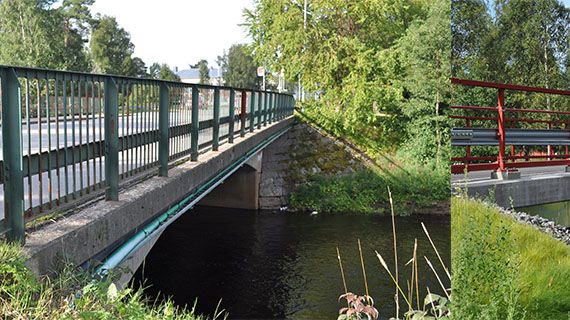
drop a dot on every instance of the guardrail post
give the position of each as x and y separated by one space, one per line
232 116
242 113
252 112
12 152
163 130
259 109
501 129
216 129
111 140
195 124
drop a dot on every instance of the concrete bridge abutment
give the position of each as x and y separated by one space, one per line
240 190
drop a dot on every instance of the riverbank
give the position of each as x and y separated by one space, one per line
504 269
74 295
415 189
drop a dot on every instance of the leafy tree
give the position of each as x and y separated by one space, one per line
239 67
76 21
25 33
111 47
135 67
347 53
35 33
163 72
202 65
424 51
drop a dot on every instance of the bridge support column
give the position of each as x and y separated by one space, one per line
240 190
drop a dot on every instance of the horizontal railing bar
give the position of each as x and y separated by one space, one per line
96 148
459 168
511 110
494 158
76 75
496 85
510 119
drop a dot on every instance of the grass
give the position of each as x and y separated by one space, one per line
73 295
414 187
505 270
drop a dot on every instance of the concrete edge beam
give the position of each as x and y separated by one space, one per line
84 234
520 192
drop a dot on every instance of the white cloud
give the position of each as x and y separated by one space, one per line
178 32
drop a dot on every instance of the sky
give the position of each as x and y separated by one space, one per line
178 32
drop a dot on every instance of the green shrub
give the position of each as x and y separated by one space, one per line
73 295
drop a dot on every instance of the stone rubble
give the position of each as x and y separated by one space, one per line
557 231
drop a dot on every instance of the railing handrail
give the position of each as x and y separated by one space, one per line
151 80
505 86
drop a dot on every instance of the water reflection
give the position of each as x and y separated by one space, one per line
275 265
558 212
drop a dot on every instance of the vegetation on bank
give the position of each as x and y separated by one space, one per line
416 185
503 269
366 191
74 295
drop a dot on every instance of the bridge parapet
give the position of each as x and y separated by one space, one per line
527 131
68 137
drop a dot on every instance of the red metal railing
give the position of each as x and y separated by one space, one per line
496 118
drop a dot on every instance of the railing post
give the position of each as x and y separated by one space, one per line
163 127
270 108
501 129
260 109
242 114
232 116
195 124
216 129
252 112
265 105
111 140
12 152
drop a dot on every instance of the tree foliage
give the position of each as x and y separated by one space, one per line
202 66
239 67
380 67
49 34
163 72
111 47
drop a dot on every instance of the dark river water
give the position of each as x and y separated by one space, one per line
266 265
558 212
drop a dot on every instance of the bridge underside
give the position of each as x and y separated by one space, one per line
93 232
241 190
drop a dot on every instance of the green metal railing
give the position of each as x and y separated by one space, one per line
68 136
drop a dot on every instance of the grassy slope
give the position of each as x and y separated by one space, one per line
487 248
72 296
